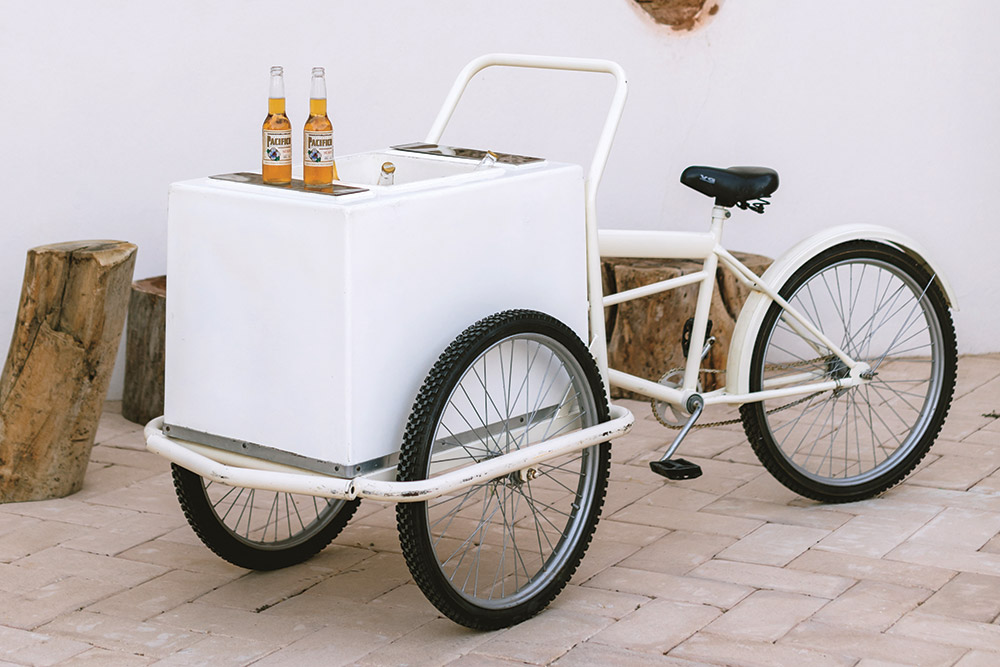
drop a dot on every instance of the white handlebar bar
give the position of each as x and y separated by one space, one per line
598 345
545 62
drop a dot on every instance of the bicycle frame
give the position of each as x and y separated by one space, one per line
707 247
652 244
685 245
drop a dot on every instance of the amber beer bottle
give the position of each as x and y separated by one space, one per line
318 166
276 158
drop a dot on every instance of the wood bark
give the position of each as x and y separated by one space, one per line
145 339
644 335
56 376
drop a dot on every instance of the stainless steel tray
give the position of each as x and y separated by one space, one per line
251 178
466 153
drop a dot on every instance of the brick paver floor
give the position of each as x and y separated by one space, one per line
730 568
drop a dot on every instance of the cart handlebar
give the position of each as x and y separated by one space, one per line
545 62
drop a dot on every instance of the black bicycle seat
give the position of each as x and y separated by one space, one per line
731 186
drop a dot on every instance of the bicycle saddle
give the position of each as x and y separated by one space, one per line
734 186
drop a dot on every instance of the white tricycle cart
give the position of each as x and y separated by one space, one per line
424 343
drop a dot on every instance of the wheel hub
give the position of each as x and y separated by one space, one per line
836 369
517 478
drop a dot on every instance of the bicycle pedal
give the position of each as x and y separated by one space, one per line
676 469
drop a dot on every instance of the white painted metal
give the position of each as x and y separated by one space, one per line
702 306
765 292
307 323
235 470
606 139
647 387
621 422
196 460
769 291
704 302
752 314
724 397
653 288
598 342
655 244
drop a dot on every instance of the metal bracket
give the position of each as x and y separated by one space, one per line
755 206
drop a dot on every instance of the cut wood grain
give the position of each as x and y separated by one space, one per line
145 339
56 376
644 335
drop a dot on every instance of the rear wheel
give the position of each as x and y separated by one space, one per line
881 307
259 530
496 553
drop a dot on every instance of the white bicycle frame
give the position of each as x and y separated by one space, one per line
240 470
706 247
660 244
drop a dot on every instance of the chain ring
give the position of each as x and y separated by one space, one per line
668 414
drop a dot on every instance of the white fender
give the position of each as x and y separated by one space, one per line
752 314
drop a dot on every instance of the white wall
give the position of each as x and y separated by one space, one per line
884 112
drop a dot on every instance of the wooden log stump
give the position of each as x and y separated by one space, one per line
644 335
56 377
145 338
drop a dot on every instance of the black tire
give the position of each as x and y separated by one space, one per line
545 515
294 528
882 307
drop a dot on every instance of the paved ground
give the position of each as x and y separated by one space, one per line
727 569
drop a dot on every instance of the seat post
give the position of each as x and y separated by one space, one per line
706 286
719 215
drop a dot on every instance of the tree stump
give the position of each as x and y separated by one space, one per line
56 377
145 337
644 335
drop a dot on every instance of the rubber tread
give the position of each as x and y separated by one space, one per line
436 389
202 518
754 420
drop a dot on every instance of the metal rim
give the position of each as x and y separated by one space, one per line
269 520
853 436
545 507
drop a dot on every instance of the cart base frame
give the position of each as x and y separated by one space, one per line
245 471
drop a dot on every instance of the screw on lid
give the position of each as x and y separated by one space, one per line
388 168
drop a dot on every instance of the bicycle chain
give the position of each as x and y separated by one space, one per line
774 367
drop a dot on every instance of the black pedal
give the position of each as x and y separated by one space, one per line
686 334
676 469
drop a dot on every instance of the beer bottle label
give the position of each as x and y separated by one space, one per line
277 147
318 148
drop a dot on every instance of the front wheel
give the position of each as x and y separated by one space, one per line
881 307
495 554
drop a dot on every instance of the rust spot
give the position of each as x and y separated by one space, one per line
680 14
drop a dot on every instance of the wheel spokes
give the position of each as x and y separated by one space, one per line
282 519
496 541
875 311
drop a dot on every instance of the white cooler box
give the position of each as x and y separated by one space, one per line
300 325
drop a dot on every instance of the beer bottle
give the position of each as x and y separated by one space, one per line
488 161
318 167
385 175
276 158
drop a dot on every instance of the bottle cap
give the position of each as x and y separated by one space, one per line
318 71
